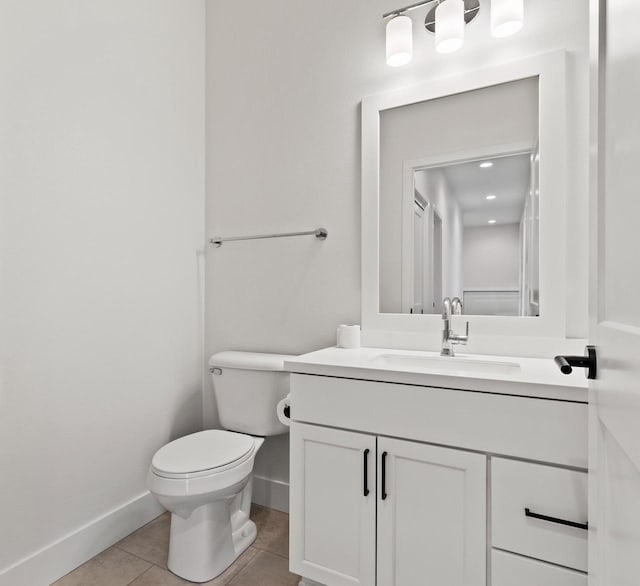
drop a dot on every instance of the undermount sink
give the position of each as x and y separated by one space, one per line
453 365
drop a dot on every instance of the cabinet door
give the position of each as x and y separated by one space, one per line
432 520
333 505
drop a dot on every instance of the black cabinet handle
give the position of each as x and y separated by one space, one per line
588 361
530 513
365 489
383 475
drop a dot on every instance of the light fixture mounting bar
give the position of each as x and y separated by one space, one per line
400 11
471 9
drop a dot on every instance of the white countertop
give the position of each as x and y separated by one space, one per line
530 377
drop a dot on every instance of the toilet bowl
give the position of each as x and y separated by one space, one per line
205 479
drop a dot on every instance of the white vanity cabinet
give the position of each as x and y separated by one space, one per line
429 502
397 484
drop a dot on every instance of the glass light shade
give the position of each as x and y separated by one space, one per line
399 41
449 26
507 17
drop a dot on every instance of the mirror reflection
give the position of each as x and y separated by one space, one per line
490 218
466 228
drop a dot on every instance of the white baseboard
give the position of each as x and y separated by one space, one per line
45 566
271 493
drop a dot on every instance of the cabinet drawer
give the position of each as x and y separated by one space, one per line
511 570
544 490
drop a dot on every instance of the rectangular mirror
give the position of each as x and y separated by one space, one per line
459 203
427 207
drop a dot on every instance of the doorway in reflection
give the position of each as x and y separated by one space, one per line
478 219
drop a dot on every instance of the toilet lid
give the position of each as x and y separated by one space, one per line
202 451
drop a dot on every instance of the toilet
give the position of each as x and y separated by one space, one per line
205 479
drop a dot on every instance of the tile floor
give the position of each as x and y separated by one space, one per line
141 558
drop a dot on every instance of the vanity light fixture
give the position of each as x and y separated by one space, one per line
507 17
490 197
486 165
446 19
491 222
399 41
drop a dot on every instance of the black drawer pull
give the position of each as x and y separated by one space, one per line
365 490
529 513
383 474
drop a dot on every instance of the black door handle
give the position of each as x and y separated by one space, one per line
365 489
530 513
383 474
588 361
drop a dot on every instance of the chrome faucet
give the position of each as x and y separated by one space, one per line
449 338
456 306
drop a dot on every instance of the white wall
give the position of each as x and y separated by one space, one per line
491 257
101 211
434 187
283 135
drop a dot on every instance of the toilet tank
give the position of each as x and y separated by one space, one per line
247 387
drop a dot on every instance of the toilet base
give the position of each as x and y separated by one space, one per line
205 544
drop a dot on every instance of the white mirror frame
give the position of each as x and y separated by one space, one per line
488 334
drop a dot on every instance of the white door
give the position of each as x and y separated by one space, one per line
333 505
418 258
437 291
614 558
432 521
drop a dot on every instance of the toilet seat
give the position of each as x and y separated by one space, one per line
202 454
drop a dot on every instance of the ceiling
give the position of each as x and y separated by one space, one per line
507 179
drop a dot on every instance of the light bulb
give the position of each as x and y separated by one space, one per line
507 17
449 26
399 41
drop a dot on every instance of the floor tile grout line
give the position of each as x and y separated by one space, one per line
151 564
140 558
244 566
141 574
286 557
249 563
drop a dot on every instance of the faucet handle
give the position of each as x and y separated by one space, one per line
463 339
460 339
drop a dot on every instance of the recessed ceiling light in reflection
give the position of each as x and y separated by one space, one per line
491 222
490 197
486 165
